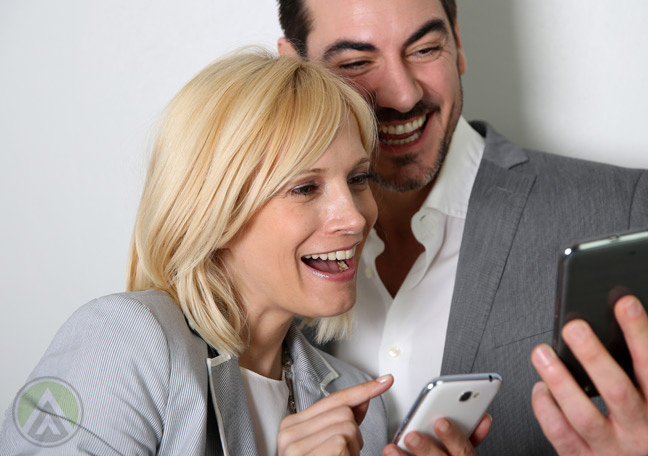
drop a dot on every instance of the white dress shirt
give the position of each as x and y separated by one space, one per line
409 330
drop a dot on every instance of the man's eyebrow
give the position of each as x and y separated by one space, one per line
433 25
344 45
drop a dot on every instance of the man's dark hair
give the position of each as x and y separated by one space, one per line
296 21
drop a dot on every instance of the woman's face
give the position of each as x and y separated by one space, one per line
299 253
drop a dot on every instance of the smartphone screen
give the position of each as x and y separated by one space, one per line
461 398
592 276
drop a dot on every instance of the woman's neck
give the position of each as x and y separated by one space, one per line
264 351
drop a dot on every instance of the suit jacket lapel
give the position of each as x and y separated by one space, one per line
311 375
496 204
311 372
231 407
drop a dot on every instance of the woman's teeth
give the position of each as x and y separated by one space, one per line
330 262
337 255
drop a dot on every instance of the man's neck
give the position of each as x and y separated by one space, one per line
396 209
394 227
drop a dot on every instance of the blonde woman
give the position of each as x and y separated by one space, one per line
255 210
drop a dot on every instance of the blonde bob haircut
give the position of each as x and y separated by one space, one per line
236 134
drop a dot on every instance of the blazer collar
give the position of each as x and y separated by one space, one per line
311 376
497 201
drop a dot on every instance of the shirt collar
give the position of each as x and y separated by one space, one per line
451 190
453 185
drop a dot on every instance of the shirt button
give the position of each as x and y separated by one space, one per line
394 352
369 272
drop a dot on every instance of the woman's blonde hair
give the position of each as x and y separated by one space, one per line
229 140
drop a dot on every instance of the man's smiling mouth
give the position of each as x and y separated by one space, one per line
402 133
331 262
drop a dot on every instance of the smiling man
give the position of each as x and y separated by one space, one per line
460 271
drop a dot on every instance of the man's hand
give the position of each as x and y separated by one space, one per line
568 417
455 442
330 426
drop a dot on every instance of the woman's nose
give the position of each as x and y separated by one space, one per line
345 214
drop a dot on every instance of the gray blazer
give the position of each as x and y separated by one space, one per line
525 208
145 381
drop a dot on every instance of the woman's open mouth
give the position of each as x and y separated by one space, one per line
335 262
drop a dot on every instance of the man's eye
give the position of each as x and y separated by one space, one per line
353 66
359 179
304 190
429 50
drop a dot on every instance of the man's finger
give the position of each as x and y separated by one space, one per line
455 442
554 425
632 318
480 432
579 410
620 395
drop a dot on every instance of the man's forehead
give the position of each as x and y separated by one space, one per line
367 21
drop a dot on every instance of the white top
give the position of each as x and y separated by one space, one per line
409 330
268 402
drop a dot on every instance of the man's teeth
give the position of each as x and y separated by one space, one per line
400 142
337 255
401 129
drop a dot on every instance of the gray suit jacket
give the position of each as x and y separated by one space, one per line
145 380
525 208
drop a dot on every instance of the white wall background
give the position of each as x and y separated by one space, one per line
81 83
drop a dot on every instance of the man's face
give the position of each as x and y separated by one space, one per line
403 56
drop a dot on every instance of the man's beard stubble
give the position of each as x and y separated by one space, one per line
430 173
405 185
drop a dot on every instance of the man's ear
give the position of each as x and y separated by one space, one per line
461 57
285 47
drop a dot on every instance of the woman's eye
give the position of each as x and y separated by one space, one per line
359 179
304 190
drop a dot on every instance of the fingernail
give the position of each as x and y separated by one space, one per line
538 388
413 440
543 355
443 425
633 307
576 331
390 451
384 378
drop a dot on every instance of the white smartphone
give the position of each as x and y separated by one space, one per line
461 398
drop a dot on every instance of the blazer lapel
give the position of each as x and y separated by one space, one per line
231 407
496 204
311 372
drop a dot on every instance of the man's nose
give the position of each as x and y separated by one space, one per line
399 89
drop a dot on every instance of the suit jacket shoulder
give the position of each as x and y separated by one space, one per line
143 385
525 208
139 375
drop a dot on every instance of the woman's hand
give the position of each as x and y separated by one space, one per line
330 426
455 442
